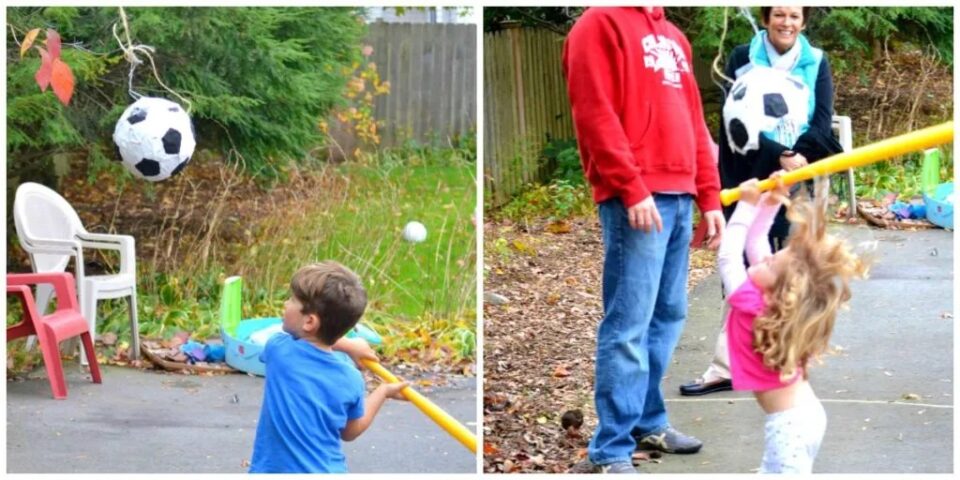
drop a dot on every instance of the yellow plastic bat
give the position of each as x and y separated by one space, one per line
858 157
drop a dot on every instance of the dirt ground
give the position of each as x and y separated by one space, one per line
538 347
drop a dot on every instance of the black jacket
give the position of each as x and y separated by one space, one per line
816 143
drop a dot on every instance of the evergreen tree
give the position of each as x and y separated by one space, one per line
259 79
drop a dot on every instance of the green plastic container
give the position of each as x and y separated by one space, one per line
931 171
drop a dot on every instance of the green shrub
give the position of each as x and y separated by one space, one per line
563 156
555 201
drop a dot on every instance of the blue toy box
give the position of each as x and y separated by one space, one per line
244 354
940 206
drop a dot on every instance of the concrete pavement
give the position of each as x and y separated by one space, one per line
896 339
151 422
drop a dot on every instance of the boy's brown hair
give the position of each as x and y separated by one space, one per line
332 292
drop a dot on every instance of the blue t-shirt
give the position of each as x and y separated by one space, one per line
309 396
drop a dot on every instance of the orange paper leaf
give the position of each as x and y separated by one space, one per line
28 41
62 81
53 43
46 70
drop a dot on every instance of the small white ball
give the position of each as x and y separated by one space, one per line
414 232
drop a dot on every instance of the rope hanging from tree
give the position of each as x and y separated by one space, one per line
129 53
745 13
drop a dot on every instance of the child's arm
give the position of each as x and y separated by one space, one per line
372 405
758 243
730 255
357 348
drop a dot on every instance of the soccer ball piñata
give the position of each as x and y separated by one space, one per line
765 100
154 138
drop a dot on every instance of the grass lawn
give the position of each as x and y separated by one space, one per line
422 296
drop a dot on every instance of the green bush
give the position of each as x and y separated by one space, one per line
259 79
564 157
556 201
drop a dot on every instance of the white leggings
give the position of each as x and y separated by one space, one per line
792 438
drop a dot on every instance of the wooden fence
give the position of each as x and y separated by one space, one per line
432 70
525 104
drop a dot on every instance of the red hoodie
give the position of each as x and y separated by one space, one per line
636 107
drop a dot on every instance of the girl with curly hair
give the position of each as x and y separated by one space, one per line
782 311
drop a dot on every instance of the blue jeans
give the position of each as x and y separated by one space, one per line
645 305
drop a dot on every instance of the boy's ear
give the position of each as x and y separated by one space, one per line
311 323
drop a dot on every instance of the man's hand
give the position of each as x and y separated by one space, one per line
749 192
644 216
792 162
357 348
715 225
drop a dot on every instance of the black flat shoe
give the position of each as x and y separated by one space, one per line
696 388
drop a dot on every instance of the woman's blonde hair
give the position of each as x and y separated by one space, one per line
812 284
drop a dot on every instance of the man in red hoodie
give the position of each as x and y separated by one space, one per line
646 151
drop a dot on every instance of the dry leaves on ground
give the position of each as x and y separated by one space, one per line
539 346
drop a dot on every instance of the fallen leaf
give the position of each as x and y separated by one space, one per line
489 449
561 371
109 339
559 227
911 396
553 298
28 41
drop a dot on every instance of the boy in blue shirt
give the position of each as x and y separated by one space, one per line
314 395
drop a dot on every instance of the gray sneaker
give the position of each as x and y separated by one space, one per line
586 466
669 440
618 467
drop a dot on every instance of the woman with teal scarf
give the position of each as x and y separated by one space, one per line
780 46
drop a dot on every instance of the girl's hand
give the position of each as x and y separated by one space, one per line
780 194
392 390
749 192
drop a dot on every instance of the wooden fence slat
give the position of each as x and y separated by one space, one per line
429 67
525 101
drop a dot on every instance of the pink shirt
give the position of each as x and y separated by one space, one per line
746 231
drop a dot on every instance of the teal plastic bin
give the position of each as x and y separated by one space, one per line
241 353
940 206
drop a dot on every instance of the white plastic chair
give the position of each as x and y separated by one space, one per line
50 230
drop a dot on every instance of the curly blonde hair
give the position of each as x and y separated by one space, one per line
811 285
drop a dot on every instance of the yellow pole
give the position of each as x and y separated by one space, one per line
448 423
858 157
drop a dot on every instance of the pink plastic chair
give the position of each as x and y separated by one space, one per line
64 323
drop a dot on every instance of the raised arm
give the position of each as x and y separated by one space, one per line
730 256
758 242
